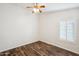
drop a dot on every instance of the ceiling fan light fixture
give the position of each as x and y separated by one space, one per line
36 10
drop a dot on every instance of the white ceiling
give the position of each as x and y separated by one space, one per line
51 6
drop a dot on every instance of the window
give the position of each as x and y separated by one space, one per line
63 30
67 30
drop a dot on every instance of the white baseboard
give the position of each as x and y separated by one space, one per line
74 51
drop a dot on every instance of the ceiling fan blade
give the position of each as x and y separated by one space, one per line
38 6
42 6
29 7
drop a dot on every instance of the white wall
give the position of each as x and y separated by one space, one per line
49 28
17 26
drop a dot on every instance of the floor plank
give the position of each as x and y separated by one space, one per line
38 49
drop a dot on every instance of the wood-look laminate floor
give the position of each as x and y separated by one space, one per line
37 49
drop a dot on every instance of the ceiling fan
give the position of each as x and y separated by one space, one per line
36 8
